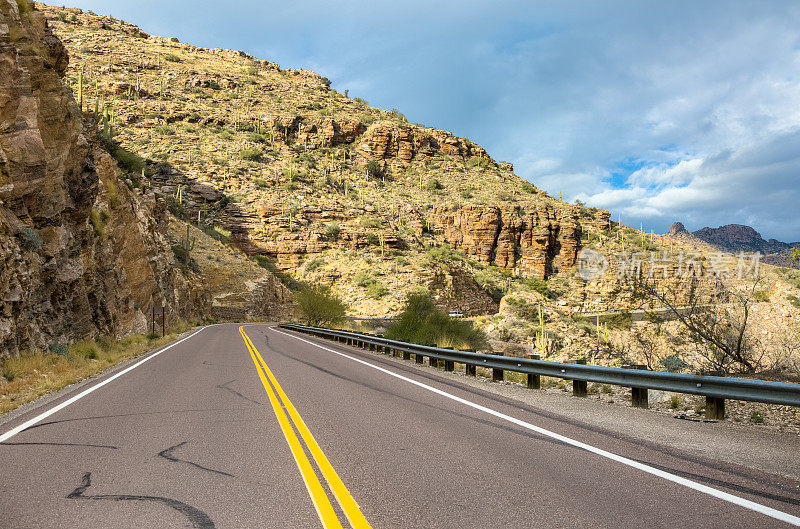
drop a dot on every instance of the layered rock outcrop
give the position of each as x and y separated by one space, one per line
80 253
388 140
531 243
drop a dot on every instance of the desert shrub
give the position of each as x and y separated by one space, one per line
476 161
250 155
424 323
127 160
373 169
377 290
397 115
256 138
791 276
87 350
371 223
363 279
433 185
442 253
30 239
320 305
98 218
174 39
491 284
175 207
466 193
332 231
260 183
314 264
794 300
171 57
761 295
540 286
673 363
164 130
59 349
306 159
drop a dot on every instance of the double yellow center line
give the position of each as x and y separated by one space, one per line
287 416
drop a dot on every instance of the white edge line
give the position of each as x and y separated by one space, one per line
27 424
737 500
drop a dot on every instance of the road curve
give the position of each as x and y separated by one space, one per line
258 427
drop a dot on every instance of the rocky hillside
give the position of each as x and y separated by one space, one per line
81 254
314 182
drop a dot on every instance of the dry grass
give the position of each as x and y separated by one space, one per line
31 376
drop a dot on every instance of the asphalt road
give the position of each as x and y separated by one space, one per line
216 432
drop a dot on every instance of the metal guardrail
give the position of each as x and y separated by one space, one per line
716 389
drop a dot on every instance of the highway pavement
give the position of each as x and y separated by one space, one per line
252 426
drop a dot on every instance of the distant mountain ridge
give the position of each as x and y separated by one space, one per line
735 238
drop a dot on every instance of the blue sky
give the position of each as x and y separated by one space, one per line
666 111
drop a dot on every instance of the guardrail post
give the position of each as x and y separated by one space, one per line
418 358
449 365
534 381
497 374
639 396
406 355
579 387
715 408
470 369
432 361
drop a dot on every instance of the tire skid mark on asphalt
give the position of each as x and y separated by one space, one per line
81 445
167 454
646 468
196 517
238 394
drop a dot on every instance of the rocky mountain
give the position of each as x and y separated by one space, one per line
310 181
735 238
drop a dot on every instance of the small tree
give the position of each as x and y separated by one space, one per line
716 318
373 169
320 305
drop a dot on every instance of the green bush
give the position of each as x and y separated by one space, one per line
761 295
30 239
371 224
377 290
794 300
127 160
98 218
171 57
442 253
332 231
424 323
363 279
673 363
250 155
319 305
540 286
433 185
476 161
373 169
315 264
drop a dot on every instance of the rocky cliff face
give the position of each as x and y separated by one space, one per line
530 242
80 253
